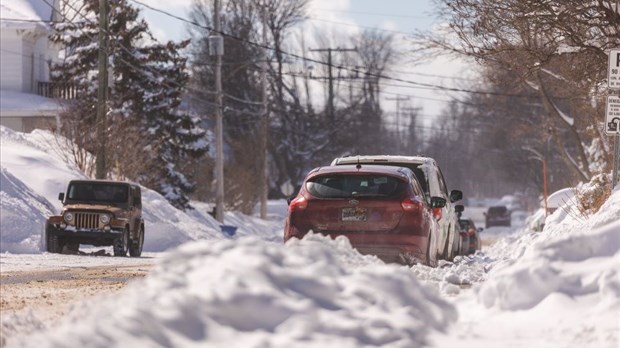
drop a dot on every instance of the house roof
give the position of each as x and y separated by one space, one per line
19 104
18 13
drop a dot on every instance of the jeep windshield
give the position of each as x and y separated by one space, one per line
98 192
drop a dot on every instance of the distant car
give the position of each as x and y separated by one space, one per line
470 240
382 210
497 216
431 178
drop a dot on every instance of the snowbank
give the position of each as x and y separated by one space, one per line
34 170
558 288
568 258
316 292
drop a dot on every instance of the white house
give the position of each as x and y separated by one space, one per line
25 56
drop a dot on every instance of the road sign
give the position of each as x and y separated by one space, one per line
612 127
612 115
613 70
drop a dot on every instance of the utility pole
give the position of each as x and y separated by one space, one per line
216 48
330 98
398 136
264 173
102 93
411 138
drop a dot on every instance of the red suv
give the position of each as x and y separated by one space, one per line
382 210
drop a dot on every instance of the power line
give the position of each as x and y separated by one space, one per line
383 84
129 51
375 75
22 54
28 20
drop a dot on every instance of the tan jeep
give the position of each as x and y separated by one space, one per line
99 213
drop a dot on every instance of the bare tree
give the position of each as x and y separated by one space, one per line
542 43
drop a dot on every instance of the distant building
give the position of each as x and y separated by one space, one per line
26 101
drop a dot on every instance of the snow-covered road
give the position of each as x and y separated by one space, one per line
555 288
38 290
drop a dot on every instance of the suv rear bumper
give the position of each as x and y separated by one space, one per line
389 247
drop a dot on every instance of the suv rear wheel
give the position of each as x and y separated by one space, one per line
121 244
427 260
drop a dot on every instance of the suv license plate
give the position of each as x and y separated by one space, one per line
354 214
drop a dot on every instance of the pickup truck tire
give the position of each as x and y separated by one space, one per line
135 249
121 244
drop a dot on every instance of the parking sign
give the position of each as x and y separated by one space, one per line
613 77
612 115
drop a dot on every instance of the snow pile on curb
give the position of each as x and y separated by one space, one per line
22 212
567 258
34 172
316 292
555 288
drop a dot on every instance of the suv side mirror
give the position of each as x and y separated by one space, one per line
61 196
456 195
289 200
459 208
438 202
480 229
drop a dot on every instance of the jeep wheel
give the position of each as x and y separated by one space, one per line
54 245
121 244
135 249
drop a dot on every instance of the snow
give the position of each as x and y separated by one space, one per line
31 10
568 119
556 288
560 197
13 103
248 293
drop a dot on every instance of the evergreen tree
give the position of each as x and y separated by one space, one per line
149 137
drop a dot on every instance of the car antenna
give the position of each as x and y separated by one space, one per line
358 166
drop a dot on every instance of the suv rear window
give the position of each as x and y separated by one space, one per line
415 168
501 210
346 186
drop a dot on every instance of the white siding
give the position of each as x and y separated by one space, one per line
43 54
11 59
28 64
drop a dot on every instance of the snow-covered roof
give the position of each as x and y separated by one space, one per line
19 104
22 11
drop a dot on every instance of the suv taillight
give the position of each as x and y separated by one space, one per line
438 213
299 203
409 204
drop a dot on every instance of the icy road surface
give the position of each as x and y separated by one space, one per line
36 290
